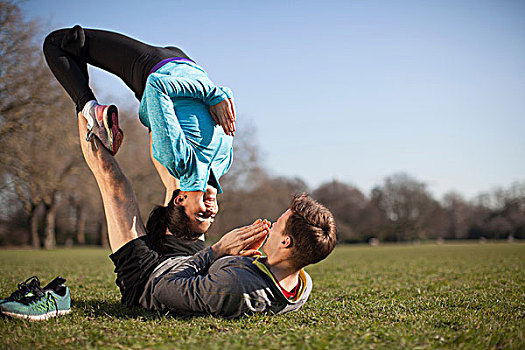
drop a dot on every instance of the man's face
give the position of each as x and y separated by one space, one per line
276 234
201 208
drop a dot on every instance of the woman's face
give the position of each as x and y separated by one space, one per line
201 208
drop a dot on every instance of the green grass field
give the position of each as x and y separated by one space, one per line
428 296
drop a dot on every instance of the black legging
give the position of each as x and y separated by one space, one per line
69 51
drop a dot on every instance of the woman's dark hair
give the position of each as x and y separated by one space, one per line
172 218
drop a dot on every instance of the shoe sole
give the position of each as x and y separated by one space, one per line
115 134
37 317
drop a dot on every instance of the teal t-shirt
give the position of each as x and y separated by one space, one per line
175 107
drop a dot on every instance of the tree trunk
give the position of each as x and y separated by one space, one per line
33 224
81 224
104 234
50 241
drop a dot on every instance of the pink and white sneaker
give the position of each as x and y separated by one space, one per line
106 128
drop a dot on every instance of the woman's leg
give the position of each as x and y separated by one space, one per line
69 51
64 51
120 203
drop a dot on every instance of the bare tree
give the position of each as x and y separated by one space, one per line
246 172
499 214
17 57
458 212
411 211
37 121
18 62
514 208
347 203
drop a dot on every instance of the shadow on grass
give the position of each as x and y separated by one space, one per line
91 309
113 309
95 308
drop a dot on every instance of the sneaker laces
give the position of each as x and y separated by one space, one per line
29 285
38 293
37 298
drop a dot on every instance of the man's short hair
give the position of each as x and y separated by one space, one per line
312 229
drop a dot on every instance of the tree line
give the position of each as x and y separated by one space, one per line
48 196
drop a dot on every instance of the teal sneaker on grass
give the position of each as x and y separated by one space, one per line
25 288
43 304
28 287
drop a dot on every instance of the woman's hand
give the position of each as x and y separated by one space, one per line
223 113
242 241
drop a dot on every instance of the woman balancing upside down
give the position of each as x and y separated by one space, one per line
191 121
225 279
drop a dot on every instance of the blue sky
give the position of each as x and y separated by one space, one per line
352 90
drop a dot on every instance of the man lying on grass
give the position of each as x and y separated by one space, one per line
224 279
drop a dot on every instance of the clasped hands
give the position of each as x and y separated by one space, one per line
243 241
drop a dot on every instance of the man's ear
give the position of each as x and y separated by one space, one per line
287 242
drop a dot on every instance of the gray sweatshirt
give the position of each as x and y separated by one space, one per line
230 287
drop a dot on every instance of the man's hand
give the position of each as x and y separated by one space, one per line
242 241
258 242
223 113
